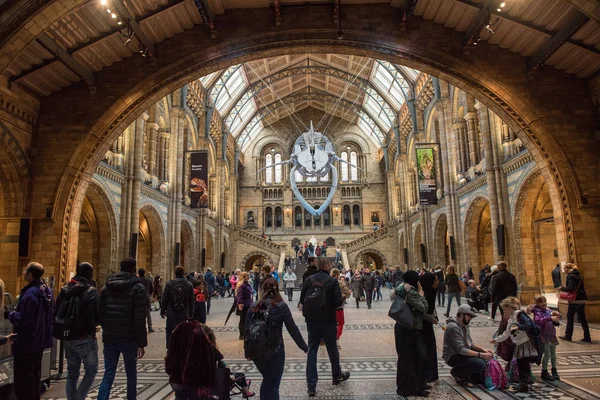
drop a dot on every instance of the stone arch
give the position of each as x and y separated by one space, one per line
503 98
257 149
251 258
104 249
356 138
209 249
478 241
441 242
378 258
155 259
226 255
418 239
534 231
188 247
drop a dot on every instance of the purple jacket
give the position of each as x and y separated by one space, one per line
33 319
244 295
543 319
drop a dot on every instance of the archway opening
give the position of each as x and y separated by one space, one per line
417 248
442 243
255 262
210 252
479 242
186 259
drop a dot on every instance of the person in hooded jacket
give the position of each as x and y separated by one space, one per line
32 322
411 369
210 286
271 369
123 310
575 284
85 348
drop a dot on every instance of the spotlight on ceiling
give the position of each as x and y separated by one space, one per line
114 16
502 5
488 27
103 2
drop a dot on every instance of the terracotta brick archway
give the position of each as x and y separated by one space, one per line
496 78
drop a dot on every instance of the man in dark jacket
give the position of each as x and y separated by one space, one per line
178 301
123 309
503 285
311 269
556 276
33 327
321 323
148 284
369 284
84 349
210 285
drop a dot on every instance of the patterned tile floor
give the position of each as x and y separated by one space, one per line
368 352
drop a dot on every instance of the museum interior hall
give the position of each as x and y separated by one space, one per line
226 134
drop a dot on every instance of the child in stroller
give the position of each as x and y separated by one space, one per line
196 368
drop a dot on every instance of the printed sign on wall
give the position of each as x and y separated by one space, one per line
426 172
199 179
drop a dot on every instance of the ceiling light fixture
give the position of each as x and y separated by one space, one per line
103 2
108 10
502 5
114 16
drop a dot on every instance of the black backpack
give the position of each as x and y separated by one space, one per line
68 320
260 338
315 302
179 296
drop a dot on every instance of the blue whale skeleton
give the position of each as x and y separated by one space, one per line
313 156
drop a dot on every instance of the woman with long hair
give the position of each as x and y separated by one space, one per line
279 313
575 284
410 372
243 297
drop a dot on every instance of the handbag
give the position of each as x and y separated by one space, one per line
569 296
402 313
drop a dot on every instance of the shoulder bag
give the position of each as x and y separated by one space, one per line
570 296
402 313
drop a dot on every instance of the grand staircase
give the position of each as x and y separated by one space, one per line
299 266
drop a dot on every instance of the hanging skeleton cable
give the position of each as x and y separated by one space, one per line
279 98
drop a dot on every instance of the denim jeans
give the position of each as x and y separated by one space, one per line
327 332
112 352
470 368
450 297
271 371
77 351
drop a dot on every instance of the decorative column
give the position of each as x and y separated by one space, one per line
484 123
152 131
178 126
471 119
128 143
138 153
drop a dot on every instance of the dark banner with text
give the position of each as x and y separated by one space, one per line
426 171
199 179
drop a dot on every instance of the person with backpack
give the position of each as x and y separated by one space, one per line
243 296
211 284
147 282
178 301
123 310
77 309
522 331
263 337
32 322
319 299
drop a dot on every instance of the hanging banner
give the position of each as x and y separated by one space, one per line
426 171
199 179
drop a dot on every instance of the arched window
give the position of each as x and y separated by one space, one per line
278 169
269 217
344 167
346 215
269 171
307 218
353 170
317 217
356 215
278 218
298 216
298 176
326 218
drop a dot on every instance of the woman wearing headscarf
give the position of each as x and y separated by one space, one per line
429 283
575 284
271 368
410 373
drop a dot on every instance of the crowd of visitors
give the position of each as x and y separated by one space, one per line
122 309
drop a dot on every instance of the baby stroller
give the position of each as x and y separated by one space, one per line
228 385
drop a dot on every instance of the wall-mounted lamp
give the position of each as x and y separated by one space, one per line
288 211
337 210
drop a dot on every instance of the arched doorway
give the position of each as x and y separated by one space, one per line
186 258
151 247
370 258
255 260
479 242
209 250
442 242
535 230
98 234
417 252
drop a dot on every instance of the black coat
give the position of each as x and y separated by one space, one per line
88 298
309 271
333 295
503 285
556 277
575 282
176 316
368 282
123 310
